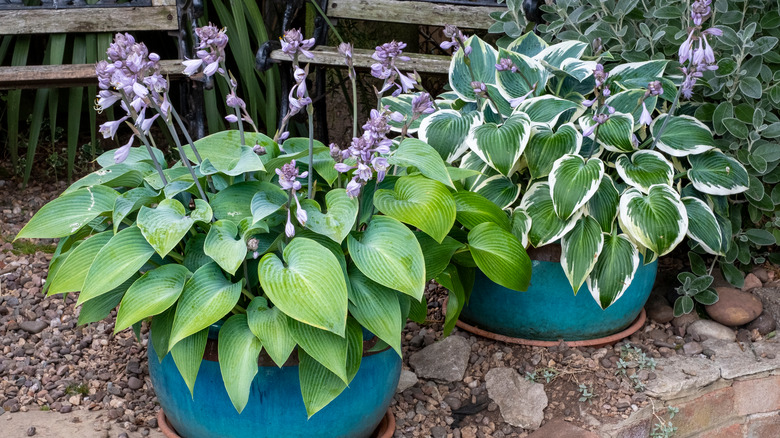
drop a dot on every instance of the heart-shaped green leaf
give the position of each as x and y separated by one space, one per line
131 201
152 294
614 269
499 189
447 131
101 306
502 146
626 102
557 53
235 202
500 255
603 205
715 173
188 354
418 154
66 214
325 347
548 109
271 326
376 308
580 250
165 225
437 255
206 298
658 220
238 353
267 201
616 134
224 151
421 202
572 183
682 136
473 209
70 276
389 254
644 169
546 226
225 246
546 146
530 73
480 66
702 225
311 288
529 44
337 222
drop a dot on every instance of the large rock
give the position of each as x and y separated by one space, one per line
735 362
558 428
520 401
445 360
712 330
680 376
770 297
765 323
734 307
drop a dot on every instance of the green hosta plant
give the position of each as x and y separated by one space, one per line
597 160
288 243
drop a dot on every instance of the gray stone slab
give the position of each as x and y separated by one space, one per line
445 360
681 376
735 362
520 401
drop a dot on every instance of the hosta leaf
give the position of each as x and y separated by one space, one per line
546 146
626 102
100 307
311 288
437 255
557 53
499 189
656 220
118 260
529 44
474 209
578 69
267 200
224 152
225 245
130 201
165 225
447 132
500 255
715 173
703 226
530 73
66 214
580 250
188 354
635 74
546 226
235 202
481 67
683 135
152 294
161 331
614 270
548 109
117 175
403 104
337 222
572 183
616 134
418 154
272 327
451 280
644 169
421 202
376 308
325 347
71 274
389 254
502 146
603 205
207 297
521 225
194 257
238 353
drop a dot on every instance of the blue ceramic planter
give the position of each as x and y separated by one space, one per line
549 311
275 407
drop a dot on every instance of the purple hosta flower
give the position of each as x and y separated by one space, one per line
599 119
654 89
366 150
234 101
456 37
108 129
645 119
514 103
506 64
284 136
346 50
252 245
480 89
210 51
385 67
293 44
121 154
288 179
606 91
298 94
600 75
259 150
422 104
381 165
231 118
700 10
353 188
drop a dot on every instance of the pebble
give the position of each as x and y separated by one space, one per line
33 327
31 431
712 330
134 383
765 324
691 348
734 307
751 282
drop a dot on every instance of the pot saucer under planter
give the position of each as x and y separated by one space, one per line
275 407
385 429
548 312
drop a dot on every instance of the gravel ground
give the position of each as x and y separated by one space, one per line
50 363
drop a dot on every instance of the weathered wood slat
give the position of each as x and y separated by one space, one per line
71 75
325 55
414 12
20 22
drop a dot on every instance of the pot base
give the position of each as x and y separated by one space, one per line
598 342
385 429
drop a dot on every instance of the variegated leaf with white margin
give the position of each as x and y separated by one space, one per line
573 181
616 134
715 173
556 54
529 44
702 225
546 226
447 131
498 103
403 104
578 69
603 205
656 220
481 67
626 102
638 74
530 73
580 249
614 270
644 169
521 225
472 162
682 136
499 189
548 109
501 146
546 146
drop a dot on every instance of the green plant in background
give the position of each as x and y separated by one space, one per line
664 428
586 393
739 101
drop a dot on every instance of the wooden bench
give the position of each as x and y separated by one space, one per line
464 14
76 16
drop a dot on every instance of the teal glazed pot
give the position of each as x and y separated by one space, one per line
275 408
549 310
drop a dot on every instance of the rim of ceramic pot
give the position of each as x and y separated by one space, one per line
385 429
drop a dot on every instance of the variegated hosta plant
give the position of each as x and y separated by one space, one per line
595 160
286 242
